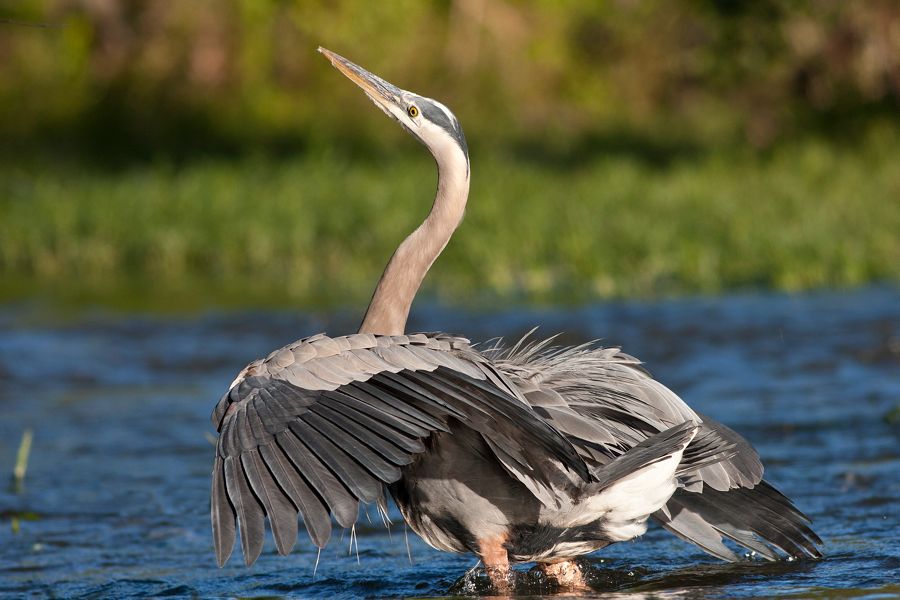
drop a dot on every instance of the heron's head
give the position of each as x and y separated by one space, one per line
427 120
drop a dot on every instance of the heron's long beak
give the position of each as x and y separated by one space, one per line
382 93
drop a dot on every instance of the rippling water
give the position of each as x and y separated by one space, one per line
114 503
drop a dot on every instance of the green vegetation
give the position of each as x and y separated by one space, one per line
320 227
190 153
109 76
21 466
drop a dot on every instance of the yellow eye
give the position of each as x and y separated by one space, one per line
412 111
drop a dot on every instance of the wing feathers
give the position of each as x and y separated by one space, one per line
406 387
403 418
347 470
389 443
606 394
325 423
758 518
339 499
281 512
249 513
221 513
353 449
241 429
315 517
419 414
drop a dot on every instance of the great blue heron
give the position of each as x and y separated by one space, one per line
527 454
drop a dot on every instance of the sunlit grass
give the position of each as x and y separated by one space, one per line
808 215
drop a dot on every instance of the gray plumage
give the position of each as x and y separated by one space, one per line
527 453
606 399
318 446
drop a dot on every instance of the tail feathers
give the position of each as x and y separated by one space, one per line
707 448
652 450
639 483
760 519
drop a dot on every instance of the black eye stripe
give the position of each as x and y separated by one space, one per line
439 117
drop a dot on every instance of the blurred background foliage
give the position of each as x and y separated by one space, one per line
633 146
214 74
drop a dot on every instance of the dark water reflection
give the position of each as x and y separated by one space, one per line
115 498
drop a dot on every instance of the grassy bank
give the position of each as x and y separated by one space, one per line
319 228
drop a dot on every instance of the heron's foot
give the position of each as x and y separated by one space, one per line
501 579
496 563
567 575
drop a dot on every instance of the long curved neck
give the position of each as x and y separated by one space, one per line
389 308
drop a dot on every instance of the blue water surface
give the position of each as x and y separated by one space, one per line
115 499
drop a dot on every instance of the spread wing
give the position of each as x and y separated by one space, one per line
605 402
323 424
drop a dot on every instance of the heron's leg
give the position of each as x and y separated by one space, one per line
496 560
567 574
